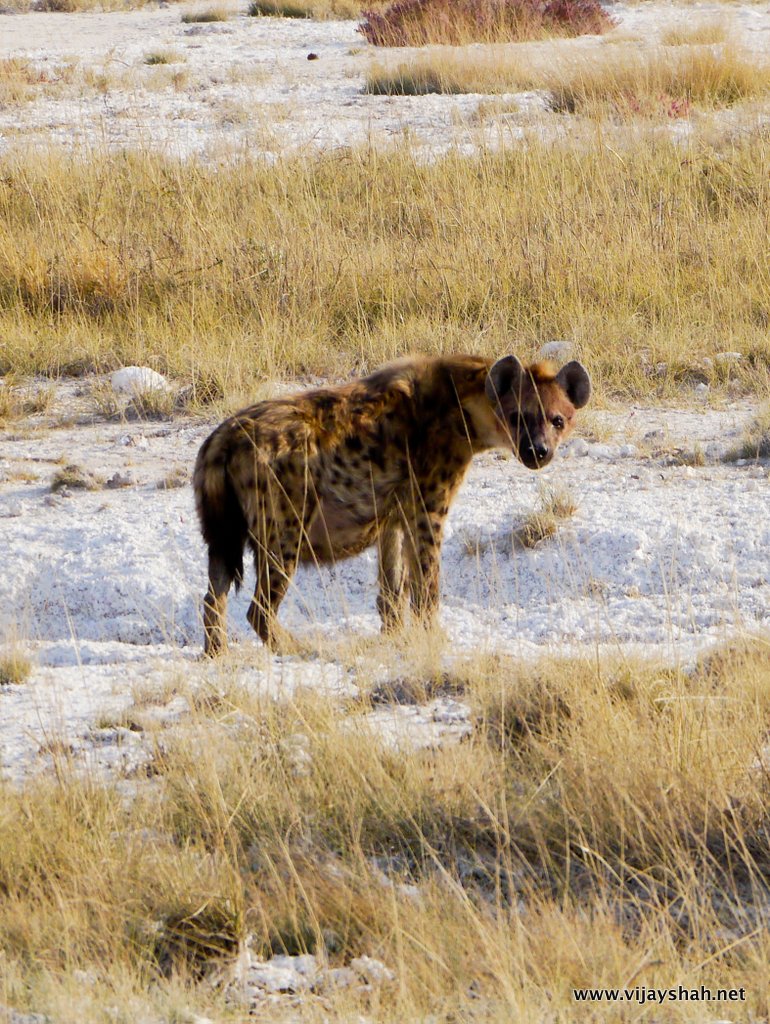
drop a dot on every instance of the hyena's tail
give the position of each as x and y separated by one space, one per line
223 524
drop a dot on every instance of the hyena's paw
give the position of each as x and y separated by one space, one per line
284 643
213 650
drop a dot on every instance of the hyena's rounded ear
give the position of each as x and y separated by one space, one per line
574 381
503 376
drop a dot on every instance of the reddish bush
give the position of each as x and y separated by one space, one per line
453 22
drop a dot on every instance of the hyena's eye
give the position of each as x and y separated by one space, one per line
558 422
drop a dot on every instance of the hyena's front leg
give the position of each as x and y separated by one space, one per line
422 546
391 571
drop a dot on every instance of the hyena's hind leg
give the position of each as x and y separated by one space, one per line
392 576
215 607
276 551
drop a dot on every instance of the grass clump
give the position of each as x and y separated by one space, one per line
555 506
163 57
708 32
631 84
22 80
457 22
211 14
305 8
73 477
756 439
17 401
151 404
659 82
440 73
15 667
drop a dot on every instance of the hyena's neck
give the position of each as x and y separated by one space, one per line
468 406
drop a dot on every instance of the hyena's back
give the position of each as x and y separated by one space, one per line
321 465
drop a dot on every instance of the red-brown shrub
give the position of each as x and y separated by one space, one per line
454 22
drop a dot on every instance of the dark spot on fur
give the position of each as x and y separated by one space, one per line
377 457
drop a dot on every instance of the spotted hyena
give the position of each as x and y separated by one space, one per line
323 475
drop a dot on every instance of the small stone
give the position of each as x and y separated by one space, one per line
579 447
628 451
275 979
340 977
450 712
284 973
120 480
701 388
604 451
372 970
661 369
137 380
133 441
728 357
312 56
13 510
10 1016
559 351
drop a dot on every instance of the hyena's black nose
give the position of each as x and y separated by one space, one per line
541 451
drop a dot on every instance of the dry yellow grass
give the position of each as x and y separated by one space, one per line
19 400
603 826
756 439
707 31
319 9
555 505
15 667
210 14
642 253
23 80
654 82
167 56
449 72
626 81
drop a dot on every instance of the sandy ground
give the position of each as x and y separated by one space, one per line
247 85
661 559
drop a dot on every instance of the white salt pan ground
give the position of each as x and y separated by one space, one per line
105 586
247 85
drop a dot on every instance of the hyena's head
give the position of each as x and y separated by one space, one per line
536 405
